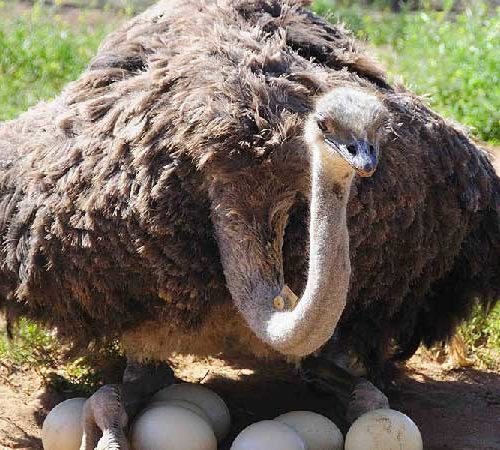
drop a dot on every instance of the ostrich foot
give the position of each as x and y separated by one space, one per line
104 413
364 398
109 410
355 395
140 381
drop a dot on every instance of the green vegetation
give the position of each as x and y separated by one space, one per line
40 53
482 335
32 345
38 348
453 57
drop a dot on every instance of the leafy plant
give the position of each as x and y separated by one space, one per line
32 345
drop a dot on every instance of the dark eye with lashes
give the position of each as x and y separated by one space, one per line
321 124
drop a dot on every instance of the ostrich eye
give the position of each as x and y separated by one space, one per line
321 124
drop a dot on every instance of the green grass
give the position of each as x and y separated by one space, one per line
39 55
482 335
454 58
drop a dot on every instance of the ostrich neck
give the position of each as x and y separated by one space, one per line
302 330
312 322
328 235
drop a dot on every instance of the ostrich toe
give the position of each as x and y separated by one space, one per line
109 410
104 414
364 398
355 395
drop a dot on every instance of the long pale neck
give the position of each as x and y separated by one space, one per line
314 319
328 235
303 329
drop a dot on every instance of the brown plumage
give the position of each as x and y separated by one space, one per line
105 192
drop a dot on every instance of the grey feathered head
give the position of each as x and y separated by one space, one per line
350 122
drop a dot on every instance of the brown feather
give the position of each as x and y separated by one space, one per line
104 207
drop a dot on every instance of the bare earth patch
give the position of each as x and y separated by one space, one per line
454 409
20 392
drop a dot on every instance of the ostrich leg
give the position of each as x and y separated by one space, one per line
356 394
109 410
104 411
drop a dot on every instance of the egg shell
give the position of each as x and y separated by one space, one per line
182 403
62 428
171 427
383 429
268 435
317 431
211 403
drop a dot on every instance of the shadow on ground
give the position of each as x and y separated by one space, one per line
454 409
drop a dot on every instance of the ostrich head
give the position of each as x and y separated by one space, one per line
348 122
250 211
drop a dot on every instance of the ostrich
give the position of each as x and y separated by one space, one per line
342 136
205 157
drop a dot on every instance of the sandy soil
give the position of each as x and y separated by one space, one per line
454 409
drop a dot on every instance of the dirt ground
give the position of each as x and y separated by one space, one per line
454 409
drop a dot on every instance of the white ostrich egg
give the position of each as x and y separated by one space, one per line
62 428
318 432
383 429
171 427
268 435
211 403
183 404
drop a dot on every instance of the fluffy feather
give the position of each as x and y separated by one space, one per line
104 207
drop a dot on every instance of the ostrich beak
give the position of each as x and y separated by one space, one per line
360 154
